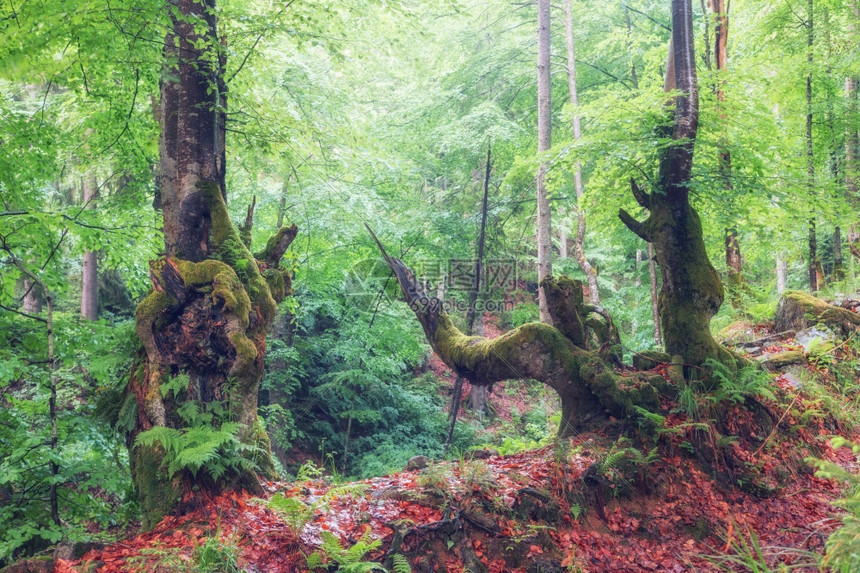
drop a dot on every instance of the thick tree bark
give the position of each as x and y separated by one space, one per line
203 327
544 219
89 268
579 241
31 296
692 291
193 103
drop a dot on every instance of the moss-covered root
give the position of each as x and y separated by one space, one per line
157 493
798 310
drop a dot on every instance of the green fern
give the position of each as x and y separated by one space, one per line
735 387
202 445
175 385
297 513
347 559
399 564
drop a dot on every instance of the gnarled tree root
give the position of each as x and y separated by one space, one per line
557 355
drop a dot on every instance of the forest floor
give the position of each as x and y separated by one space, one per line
573 506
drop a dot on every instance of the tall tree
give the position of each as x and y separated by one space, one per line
814 268
579 241
852 136
692 291
204 325
720 9
544 221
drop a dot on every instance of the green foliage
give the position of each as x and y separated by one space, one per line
297 513
623 465
94 490
750 555
217 557
207 442
349 559
843 545
735 387
339 373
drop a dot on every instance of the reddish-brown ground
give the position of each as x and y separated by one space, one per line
479 515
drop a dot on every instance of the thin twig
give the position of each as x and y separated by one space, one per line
769 436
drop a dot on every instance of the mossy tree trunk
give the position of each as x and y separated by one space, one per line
691 291
556 355
203 327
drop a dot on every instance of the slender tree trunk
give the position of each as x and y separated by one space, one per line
814 263
838 263
781 273
562 239
634 77
852 140
282 202
544 221
734 262
473 300
733 259
477 394
637 281
692 291
579 242
89 268
655 308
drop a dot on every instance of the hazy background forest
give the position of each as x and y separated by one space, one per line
396 116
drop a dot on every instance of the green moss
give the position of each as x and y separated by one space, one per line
783 359
649 359
676 372
156 492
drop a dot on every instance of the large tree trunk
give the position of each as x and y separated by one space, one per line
579 241
203 327
89 268
692 291
544 222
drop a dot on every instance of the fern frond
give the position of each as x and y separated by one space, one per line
399 564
